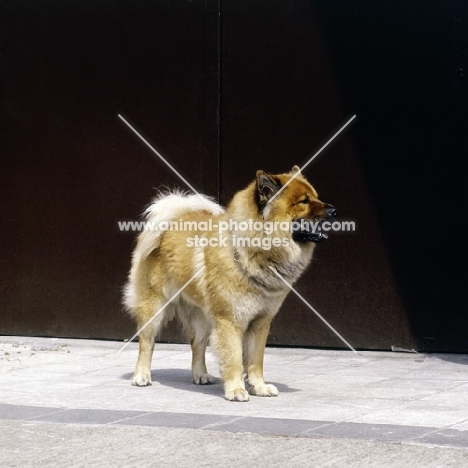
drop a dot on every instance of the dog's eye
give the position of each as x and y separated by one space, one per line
305 201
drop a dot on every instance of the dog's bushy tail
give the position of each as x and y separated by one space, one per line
167 207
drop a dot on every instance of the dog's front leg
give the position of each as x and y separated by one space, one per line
254 348
228 339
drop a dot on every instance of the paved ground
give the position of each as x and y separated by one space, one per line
70 403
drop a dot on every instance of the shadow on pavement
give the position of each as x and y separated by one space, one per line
182 378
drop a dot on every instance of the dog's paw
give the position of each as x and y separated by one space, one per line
265 390
239 394
141 380
203 379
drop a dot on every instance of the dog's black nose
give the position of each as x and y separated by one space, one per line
331 210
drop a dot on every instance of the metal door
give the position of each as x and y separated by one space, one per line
221 89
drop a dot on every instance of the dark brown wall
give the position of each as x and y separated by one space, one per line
281 103
262 85
71 169
293 73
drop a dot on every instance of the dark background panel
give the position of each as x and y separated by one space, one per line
222 89
402 67
71 169
293 74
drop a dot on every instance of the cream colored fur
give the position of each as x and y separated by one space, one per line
235 298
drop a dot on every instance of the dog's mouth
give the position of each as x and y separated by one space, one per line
308 236
308 231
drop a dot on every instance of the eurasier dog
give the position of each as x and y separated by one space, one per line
228 264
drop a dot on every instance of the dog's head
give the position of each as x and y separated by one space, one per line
290 197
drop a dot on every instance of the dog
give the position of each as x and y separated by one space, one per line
224 272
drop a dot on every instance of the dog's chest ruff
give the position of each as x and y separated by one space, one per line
248 306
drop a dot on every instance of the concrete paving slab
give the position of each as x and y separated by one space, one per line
463 426
383 432
272 426
76 416
20 412
181 420
30 444
448 437
230 423
419 413
376 396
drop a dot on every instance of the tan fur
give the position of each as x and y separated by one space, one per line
236 296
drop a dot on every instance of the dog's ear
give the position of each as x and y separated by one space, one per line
267 186
295 169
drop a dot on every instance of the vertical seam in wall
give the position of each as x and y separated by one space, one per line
220 91
212 96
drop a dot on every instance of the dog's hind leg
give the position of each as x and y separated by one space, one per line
142 375
198 331
254 343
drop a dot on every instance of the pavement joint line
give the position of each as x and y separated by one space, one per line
449 427
29 418
306 432
129 418
433 431
419 440
223 423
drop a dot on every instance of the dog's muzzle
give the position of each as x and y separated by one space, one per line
311 231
